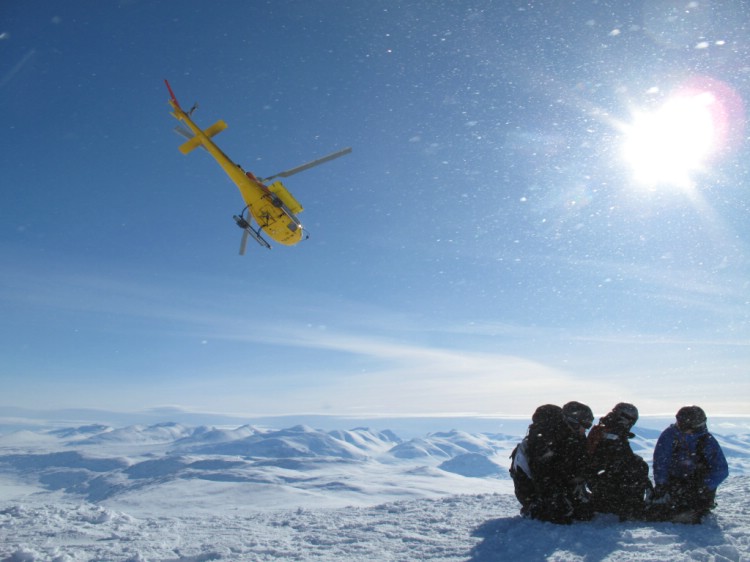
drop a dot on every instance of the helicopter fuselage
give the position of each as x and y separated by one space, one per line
269 206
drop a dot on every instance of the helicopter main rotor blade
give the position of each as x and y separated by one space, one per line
303 167
243 242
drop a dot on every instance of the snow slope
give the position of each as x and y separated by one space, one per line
174 493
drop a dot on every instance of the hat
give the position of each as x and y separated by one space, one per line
626 412
691 418
577 414
546 413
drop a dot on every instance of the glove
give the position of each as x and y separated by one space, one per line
580 492
660 496
648 493
706 498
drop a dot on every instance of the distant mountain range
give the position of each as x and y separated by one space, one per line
97 462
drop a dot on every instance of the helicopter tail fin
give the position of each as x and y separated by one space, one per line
172 98
196 141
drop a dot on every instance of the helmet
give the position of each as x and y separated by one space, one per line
626 413
577 415
691 418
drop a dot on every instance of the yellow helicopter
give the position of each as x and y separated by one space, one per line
272 207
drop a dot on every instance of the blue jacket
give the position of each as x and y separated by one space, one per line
676 457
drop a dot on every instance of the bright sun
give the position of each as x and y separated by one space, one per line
667 146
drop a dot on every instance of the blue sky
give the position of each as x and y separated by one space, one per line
489 245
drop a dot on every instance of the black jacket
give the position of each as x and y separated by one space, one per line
618 478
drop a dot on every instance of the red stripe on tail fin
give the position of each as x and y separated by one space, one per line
171 93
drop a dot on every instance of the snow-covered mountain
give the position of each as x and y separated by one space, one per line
297 442
98 463
173 492
447 445
137 434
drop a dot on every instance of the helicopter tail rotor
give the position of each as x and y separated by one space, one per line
183 132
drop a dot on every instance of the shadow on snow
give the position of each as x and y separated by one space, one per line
517 538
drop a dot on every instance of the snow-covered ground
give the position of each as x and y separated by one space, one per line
171 492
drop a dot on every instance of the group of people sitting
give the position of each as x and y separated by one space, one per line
562 475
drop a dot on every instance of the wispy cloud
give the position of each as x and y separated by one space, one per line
342 356
16 68
402 378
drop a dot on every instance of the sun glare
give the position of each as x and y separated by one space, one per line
667 146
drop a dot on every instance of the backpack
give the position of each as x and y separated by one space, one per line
523 485
519 460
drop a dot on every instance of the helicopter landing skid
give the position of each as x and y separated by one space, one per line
248 230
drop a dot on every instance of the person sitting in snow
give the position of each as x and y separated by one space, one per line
689 465
618 477
549 466
578 419
545 424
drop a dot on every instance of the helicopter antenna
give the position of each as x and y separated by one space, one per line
303 167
